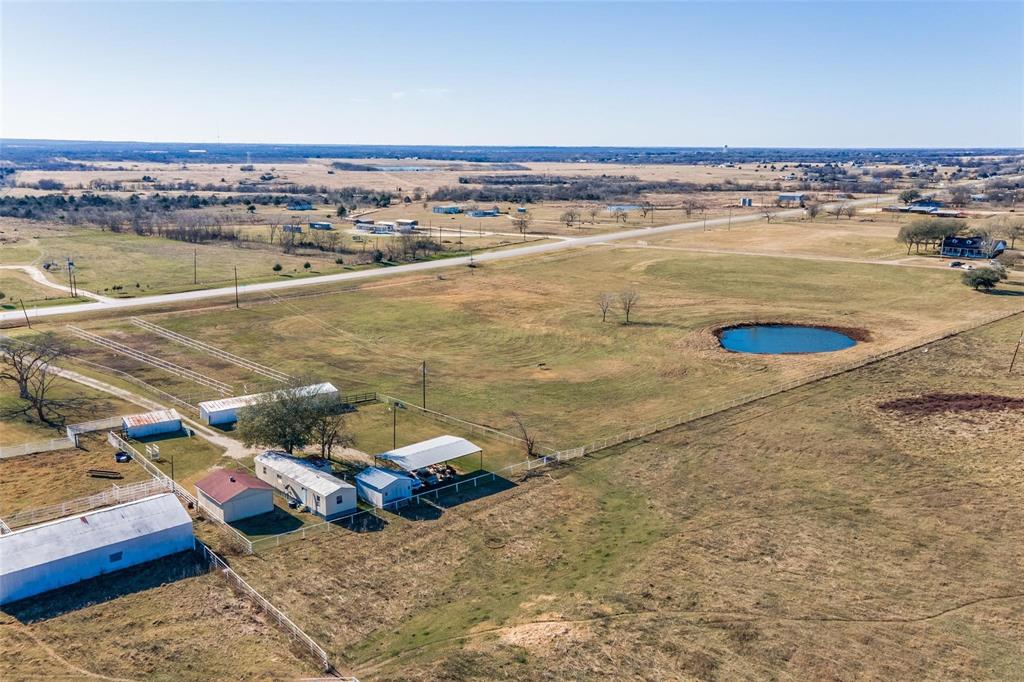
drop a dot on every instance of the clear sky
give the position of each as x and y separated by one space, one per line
796 74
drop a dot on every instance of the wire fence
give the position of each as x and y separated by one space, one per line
184 403
115 495
284 622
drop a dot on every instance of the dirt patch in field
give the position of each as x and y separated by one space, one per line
935 403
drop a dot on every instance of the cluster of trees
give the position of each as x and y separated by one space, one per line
985 278
929 232
627 301
30 366
291 419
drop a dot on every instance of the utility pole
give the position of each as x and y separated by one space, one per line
195 266
394 427
729 226
236 286
29 322
1016 350
424 384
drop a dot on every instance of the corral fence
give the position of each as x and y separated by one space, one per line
70 441
183 403
234 537
115 495
278 616
36 447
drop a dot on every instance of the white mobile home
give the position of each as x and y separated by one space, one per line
385 227
58 553
225 410
382 487
405 225
324 494
229 495
151 423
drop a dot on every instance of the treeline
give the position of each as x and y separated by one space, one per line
929 232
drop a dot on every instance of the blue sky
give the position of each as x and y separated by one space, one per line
686 73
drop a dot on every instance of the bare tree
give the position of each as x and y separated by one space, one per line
768 213
837 210
593 212
528 438
691 204
850 210
570 217
32 367
273 227
522 222
605 302
329 431
813 208
628 300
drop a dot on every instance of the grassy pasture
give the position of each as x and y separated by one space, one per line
18 287
528 338
47 478
811 535
23 427
150 625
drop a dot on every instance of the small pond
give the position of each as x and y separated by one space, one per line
783 338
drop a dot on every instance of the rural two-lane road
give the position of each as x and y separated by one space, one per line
109 304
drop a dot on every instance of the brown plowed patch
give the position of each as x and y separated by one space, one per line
935 403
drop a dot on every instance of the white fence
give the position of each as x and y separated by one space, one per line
293 630
180 402
116 495
94 425
240 541
39 446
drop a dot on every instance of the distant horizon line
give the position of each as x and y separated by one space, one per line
9 140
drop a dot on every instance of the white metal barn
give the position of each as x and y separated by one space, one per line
229 495
430 452
324 494
58 553
151 423
381 487
225 410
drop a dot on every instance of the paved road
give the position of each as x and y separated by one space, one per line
445 263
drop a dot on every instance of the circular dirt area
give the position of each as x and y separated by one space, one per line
784 339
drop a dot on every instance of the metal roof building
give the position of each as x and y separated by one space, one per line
381 487
429 452
230 495
63 552
151 423
225 410
324 494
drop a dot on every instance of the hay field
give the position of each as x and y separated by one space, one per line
528 337
813 535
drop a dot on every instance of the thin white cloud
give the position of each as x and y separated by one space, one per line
435 92
398 95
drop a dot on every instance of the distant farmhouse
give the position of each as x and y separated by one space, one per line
789 198
447 209
972 247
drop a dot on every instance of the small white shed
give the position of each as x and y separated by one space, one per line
151 423
383 487
225 410
229 495
66 551
324 494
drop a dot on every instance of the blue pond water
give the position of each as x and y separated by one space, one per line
781 338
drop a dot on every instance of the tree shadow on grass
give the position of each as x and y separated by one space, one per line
1003 292
272 523
107 587
363 523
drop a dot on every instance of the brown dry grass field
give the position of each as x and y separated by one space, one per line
146 623
813 535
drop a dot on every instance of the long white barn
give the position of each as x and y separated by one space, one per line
63 552
225 410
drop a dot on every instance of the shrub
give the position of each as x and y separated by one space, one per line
277 267
306 266
339 261
982 278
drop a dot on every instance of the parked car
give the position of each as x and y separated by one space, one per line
956 264
121 457
966 266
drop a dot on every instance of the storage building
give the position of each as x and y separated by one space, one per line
324 494
405 225
383 487
151 423
66 551
792 197
447 209
225 410
385 227
321 226
229 495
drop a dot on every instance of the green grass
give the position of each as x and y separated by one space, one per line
192 456
18 287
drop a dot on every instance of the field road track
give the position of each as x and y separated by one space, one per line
109 305
39 277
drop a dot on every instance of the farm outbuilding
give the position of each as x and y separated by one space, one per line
792 197
381 487
325 495
229 495
66 551
225 410
447 209
321 226
151 423
423 458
